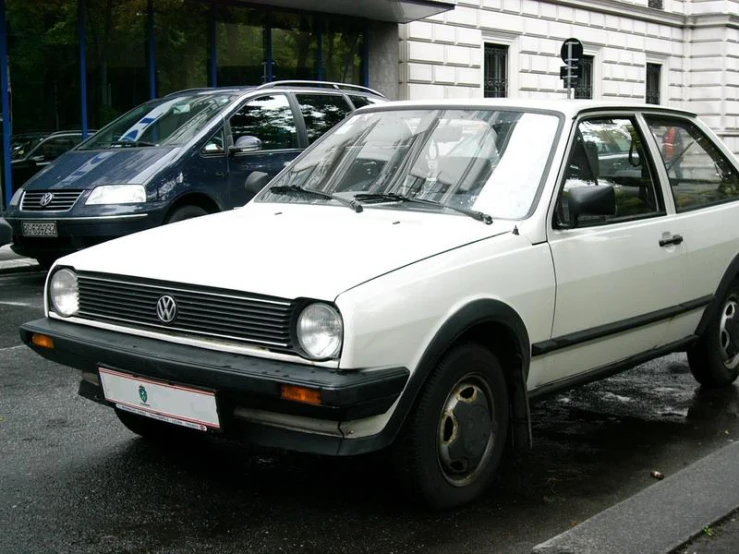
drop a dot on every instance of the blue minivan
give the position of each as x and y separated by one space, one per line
185 155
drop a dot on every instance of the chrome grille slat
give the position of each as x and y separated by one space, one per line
61 200
219 314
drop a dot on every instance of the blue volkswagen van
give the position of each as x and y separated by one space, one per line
185 155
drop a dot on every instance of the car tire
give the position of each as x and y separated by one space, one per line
714 358
453 441
185 212
153 429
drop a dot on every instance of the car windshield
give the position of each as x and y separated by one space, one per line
474 159
167 121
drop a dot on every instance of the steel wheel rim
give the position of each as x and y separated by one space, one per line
466 431
727 343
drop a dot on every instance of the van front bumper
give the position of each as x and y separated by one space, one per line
242 384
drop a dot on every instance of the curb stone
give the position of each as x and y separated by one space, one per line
662 517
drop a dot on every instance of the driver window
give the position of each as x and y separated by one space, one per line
610 152
268 118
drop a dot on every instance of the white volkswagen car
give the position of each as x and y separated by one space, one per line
412 281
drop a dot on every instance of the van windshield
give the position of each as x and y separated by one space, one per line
166 121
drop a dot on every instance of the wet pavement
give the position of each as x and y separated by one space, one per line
74 480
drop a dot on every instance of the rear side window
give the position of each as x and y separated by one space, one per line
700 175
321 112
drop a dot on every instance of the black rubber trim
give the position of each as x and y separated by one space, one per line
475 313
730 275
608 370
237 379
578 337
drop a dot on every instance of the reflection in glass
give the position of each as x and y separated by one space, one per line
343 45
486 160
43 55
294 46
321 112
181 29
117 75
240 40
268 118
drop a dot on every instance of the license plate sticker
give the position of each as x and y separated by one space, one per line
39 229
182 406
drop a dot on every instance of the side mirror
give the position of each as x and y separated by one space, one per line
255 182
244 145
591 200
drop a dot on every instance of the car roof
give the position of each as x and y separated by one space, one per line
302 85
568 108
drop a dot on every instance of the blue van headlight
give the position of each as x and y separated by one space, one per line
117 194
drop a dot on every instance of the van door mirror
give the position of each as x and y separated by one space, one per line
255 182
244 145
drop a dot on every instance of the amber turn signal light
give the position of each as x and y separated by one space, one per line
301 394
43 341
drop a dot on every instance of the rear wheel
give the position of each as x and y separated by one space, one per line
714 359
185 212
453 441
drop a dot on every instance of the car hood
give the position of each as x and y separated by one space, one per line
86 169
285 250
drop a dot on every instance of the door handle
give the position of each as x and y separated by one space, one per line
675 239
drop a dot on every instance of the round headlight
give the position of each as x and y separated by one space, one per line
63 292
320 331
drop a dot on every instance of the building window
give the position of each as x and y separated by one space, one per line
656 4
496 71
654 73
584 88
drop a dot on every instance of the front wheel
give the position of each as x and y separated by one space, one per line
714 359
185 212
453 441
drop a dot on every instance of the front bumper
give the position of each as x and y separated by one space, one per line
238 381
76 233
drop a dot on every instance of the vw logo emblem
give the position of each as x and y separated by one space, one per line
166 309
46 199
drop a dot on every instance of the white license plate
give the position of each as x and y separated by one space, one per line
183 406
39 229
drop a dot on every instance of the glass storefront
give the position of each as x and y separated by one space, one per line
133 50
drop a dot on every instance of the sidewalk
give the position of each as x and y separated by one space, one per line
10 262
665 517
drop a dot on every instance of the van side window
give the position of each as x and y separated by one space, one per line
268 118
321 112
215 145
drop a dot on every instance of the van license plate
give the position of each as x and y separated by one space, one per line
39 229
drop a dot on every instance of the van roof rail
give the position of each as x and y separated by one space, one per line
329 84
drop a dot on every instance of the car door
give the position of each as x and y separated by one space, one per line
704 183
271 120
619 277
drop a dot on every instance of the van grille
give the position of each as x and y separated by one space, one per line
203 312
47 200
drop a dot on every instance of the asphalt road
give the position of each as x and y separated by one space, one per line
72 479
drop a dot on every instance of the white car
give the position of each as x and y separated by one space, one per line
391 288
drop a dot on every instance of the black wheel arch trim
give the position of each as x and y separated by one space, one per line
730 275
475 313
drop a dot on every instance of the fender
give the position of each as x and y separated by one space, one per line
729 276
475 313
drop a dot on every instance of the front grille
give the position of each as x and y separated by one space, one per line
202 312
47 200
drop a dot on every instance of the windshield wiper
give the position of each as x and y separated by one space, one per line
395 197
293 189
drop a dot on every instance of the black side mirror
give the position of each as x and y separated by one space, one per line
244 145
591 200
255 182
